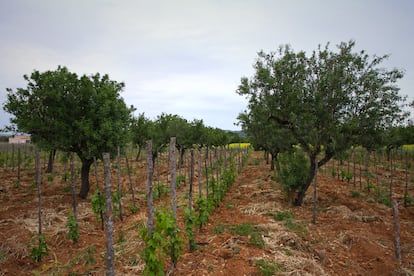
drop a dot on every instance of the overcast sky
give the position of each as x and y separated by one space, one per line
186 57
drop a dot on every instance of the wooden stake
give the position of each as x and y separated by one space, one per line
110 262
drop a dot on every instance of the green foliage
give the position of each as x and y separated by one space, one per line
39 250
228 177
293 171
180 180
65 176
159 190
116 198
408 199
219 228
269 267
333 172
3 256
190 221
382 196
202 212
369 186
88 256
346 175
98 204
229 205
73 228
252 231
214 196
294 91
283 215
355 194
163 241
133 209
152 254
287 218
63 111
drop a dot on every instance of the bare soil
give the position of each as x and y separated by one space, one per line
353 235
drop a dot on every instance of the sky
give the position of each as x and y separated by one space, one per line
187 57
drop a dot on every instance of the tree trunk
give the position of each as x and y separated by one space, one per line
273 156
301 195
52 155
86 166
181 162
138 154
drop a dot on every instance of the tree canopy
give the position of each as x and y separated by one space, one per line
327 101
188 133
62 111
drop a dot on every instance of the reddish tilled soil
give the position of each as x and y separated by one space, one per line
353 234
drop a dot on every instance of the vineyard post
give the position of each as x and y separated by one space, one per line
338 168
239 158
173 172
18 165
367 173
225 157
25 155
391 174
211 159
397 244
169 158
220 168
190 193
7 157
218 184
44 159
315 195
12 157
354 167
200 192
406 180
72 181
383 167
95 165
158 168
376 168
119 192
206 169
130 182
360 169
39 191
150 172
108 215
348 167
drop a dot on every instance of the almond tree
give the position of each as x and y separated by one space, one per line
62 111
328 101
